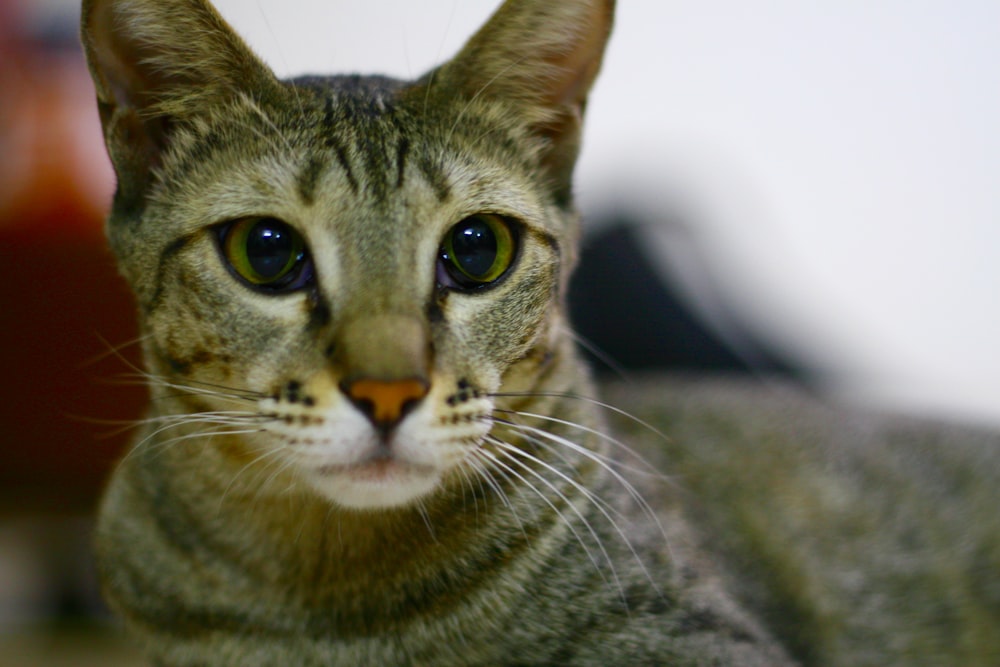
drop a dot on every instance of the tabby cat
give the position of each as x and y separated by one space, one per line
369 441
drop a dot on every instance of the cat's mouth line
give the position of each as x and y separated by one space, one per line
377 465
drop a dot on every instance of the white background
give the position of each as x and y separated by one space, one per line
836 164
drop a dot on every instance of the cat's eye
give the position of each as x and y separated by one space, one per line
267 253
477 251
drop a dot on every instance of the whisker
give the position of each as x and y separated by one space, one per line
650 469
607 464
549 448
192 387
144 444
488 463
474 459
223 414
283 464
268 453
598 353
600 504
112 351
223 417
587 399
506 451
422 511
469 481
145 376
165 397
123 425
206 387
163 429
493 461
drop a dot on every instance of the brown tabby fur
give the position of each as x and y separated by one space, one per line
263 519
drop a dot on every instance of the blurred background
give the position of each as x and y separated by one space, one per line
807 190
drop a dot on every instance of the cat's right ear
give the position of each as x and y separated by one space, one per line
538 58
157 64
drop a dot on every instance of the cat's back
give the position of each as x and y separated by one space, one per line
862 539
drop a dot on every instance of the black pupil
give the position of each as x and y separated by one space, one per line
475 247
270 249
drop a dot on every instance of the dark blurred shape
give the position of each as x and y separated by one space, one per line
634 319
62 298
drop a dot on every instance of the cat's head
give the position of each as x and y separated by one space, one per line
347 267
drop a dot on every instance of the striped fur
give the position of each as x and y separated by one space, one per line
262 518
229 535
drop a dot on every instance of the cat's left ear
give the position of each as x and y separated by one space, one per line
158 64
539 57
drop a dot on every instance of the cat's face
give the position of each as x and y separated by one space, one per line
341 273
288 271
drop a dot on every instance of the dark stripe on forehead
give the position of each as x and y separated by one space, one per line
308 177
435 176
401 152
328 117
341 154
374 150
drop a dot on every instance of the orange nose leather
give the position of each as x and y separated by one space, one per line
386 401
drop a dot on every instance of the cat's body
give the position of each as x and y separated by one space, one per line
859 538
367 444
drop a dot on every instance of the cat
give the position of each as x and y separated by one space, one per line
371 440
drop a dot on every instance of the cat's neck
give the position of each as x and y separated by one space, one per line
300 553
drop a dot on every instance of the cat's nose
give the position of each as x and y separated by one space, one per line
385 402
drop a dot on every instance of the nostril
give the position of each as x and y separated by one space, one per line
385 402
364 405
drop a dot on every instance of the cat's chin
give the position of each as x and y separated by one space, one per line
376 484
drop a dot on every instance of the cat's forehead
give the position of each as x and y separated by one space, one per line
346 149
388 125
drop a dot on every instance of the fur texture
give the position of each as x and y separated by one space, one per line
376 461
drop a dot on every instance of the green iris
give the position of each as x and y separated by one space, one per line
478 250
264 251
